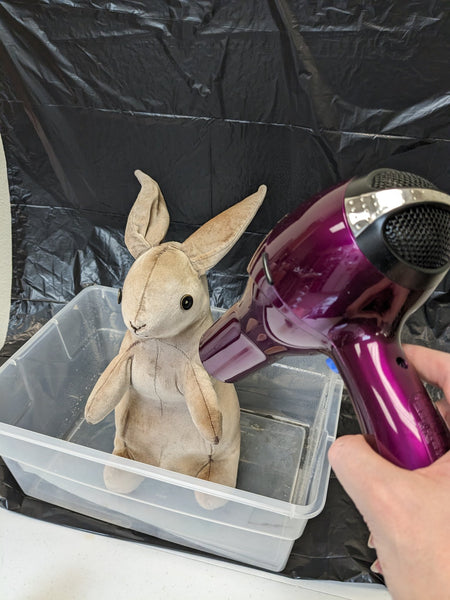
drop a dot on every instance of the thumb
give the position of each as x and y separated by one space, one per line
362 472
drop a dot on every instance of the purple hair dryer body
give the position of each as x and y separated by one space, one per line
340 275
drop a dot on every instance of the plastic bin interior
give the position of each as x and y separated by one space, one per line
289 415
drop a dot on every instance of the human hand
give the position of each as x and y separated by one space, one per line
407 512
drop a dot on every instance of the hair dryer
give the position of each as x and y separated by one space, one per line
340 275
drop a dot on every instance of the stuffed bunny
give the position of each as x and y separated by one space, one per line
168 411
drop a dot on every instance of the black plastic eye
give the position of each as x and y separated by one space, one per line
186 302
119 296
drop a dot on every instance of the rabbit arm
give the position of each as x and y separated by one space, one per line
127 342
201 400
111 386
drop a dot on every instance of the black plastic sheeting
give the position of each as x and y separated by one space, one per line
211 98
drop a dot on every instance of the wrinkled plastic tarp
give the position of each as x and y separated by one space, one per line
211 99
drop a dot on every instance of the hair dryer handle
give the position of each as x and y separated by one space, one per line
392 404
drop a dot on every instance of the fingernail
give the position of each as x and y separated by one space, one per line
376 567
370 541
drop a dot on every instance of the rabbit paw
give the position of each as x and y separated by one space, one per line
120 481
223 472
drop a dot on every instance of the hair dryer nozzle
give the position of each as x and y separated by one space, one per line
239 342
226 352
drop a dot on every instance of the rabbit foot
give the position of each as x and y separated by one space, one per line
213 471
117 480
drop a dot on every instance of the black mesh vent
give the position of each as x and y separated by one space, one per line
420 235
389 178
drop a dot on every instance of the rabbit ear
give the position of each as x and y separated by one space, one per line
212 240
148 220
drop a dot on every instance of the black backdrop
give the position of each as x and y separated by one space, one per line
211 98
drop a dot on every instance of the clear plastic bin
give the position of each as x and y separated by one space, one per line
289 415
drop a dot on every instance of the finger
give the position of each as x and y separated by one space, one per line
363 473
443 407
432 365
441 467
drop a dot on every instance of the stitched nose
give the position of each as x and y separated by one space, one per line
136 328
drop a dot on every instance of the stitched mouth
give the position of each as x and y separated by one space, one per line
135 328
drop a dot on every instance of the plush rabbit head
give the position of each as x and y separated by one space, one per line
165 291
163 294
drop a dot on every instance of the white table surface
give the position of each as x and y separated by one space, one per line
42 561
